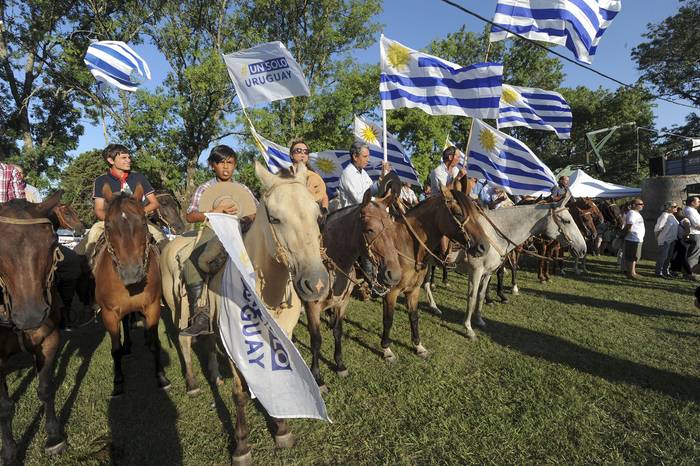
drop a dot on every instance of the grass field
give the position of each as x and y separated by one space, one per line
582 370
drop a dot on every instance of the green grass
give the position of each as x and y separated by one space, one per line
581 370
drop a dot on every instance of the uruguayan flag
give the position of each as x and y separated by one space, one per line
507 162
116 63
576 24
265 73
536 109
417 80
370 134
275 155
273 368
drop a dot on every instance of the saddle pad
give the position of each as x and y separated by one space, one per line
239 195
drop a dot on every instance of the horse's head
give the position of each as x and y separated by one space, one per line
126 234
292 234
459 221
561 226
66 217
587 216
28 257
379 237
168 214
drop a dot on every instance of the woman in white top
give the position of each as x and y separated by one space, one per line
634 237
666 231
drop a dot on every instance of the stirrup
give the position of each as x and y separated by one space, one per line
379 290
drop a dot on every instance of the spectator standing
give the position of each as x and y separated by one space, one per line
666 232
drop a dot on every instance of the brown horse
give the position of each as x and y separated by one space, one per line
168 214
127 278
362 230
65 216
587 217
28 257
417 237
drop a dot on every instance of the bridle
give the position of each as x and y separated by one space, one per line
115 258
159 216
57 257
460 225
559 223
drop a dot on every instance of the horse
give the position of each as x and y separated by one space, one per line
284 246
30 319
505 230
168 214
362 230
613 225
587 216
417 235
65 216
127 279
511 261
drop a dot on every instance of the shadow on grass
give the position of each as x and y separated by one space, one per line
628 308
611 368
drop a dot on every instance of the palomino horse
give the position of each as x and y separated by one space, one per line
506 229
127 278
361 230
417 236
28 258
284 245
168 214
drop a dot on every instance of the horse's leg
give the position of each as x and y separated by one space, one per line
388 321
191 385
429 293
111 321
152 315
472 295
339 313
212 360
126 326
55 441
412 304
513 273
313 317
241 453
283 436
7 411
499 284
483 286
487 298
445 278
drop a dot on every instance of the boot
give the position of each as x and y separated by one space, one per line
199 322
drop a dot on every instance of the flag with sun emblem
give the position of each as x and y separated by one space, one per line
329 164
536 109
370 134
504 161
276 156
417 80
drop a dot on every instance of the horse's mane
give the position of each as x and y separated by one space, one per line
19 208
120 201
285 173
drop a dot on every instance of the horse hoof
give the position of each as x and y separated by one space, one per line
118 391
435 310
471 335
421 351
219 381
284 441
243 460
323 389
56 449
479 322
193 391
504 300
389 356
489 302
515 290
343 374
163 382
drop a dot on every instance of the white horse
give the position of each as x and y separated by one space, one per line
284 246
507 228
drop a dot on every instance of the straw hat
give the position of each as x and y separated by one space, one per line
229 194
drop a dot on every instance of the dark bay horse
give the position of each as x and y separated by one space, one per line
28 258
361 230
417 237
65 216
168 214
127 278
588 217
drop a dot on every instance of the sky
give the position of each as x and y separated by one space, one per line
416 23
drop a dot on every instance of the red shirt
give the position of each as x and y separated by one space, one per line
11 183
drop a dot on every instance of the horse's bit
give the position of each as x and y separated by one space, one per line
113 255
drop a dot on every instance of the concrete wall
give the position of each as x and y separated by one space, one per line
655 192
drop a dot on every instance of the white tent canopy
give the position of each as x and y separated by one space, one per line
583 185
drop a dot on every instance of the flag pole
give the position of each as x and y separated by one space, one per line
384 134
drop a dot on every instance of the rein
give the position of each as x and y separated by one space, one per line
113 254
281 253
24 221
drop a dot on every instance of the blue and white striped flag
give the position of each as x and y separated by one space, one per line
506 162
536 109
370 134
576 24
116 63
417 80
276 156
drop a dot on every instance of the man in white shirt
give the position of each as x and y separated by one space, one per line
560 190
666 231
691 213
445 174
634 237
408 196
355 181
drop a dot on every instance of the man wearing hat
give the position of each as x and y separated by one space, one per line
666 231
219 195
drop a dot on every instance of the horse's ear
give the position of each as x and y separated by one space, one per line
299 170
107 193
387 200
447 194
49 204
367 197
266 178
138 193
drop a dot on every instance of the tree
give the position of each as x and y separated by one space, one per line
77 183
669 59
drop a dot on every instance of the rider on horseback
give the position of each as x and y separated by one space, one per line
222 160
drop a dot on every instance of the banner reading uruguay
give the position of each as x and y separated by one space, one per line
438 87
506 162
276 156
536 109
370 134
265 73
116 63
576 24
273 368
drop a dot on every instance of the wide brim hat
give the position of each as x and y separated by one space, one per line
230 193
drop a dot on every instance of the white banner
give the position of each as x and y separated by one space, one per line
265 73
273 368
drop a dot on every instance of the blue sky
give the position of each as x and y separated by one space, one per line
415 23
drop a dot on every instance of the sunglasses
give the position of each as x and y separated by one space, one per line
637 203
299 150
